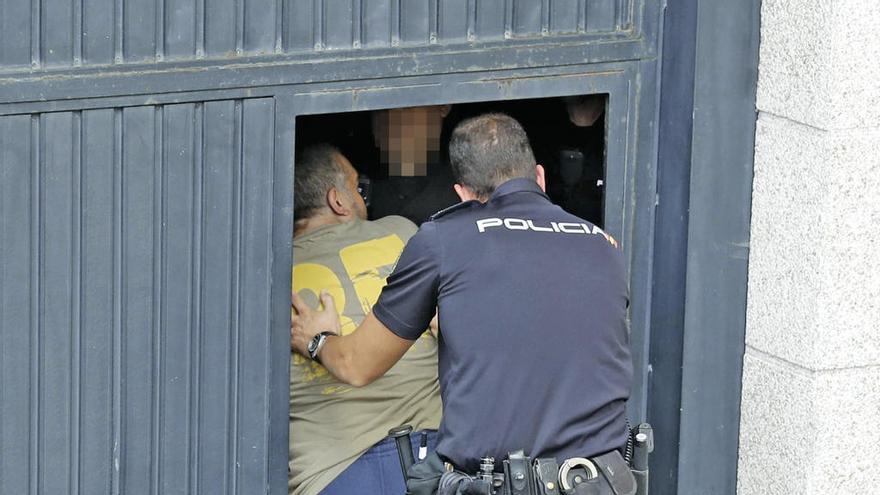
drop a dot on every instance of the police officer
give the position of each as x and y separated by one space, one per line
532 302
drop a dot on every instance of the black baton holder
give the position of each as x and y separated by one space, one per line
643 445
404 448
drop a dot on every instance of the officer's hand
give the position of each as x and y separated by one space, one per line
305 323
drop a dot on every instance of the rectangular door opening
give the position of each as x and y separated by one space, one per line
402 152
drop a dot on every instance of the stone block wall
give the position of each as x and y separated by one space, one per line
811 373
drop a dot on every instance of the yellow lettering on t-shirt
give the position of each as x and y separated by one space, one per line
313 277
362 262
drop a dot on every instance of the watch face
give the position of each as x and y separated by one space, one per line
313 344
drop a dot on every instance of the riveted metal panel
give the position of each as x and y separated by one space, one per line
334 21
59 326
53 34
417 21
140 312
489 20
60 30
98 32
180 33
258 25
15 34
179 294
565 16
141 30
98 332
601 15
452 20
221 33
528 17
221 211
125 364
18 210
254 287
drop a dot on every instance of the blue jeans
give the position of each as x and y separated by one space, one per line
377 472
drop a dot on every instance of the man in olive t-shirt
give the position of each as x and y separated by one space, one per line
337 432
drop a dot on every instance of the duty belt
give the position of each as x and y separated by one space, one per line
608 474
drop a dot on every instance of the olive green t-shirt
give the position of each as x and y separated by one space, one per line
332 424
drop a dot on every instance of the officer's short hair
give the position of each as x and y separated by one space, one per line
488 150
316 170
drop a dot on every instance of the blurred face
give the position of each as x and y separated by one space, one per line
584 111
350 195
408 138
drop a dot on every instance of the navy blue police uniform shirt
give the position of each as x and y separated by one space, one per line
534 344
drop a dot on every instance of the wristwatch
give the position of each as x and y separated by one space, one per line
316 344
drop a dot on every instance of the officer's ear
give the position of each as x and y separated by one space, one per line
540 177
464 193
335 203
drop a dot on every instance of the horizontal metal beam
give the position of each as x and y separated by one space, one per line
359 91
253 73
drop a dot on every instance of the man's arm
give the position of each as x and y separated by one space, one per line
357 359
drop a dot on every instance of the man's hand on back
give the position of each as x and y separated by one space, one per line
305 322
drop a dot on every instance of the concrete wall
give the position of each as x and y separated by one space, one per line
811 377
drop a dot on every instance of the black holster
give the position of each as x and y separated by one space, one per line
423 478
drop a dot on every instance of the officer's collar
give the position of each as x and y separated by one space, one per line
517 185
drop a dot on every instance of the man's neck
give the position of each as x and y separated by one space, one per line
303 227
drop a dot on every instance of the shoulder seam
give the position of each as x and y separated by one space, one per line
451 209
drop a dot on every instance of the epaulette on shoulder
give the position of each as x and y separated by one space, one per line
456 207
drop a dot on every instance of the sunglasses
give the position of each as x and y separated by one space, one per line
365 188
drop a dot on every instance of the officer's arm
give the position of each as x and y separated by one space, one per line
357 359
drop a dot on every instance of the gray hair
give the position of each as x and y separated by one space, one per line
316 171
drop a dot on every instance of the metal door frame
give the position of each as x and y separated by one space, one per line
719 135
629 167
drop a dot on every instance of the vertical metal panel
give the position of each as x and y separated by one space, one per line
625 12
16 286
259 25
722 162
564 16
640 209
601 15
139 29
452 23
98 20
63 33
15 34
376 24
527 17
96 368
337 21
219 27
670 244
180 29
415 21
176 295
489 21
57 326
220 201
255 287
282 250
299 16
103 216
57 32
141 257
